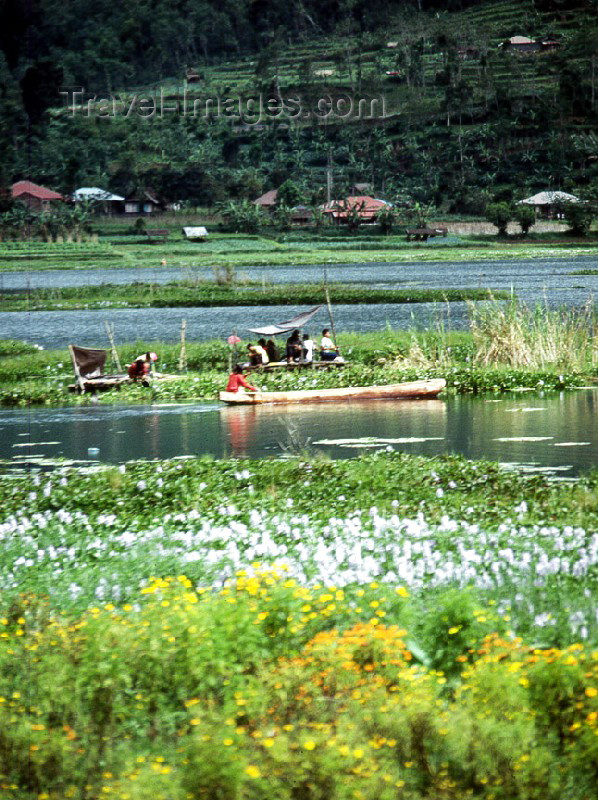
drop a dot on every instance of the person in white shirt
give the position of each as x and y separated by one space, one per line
328 350
308 348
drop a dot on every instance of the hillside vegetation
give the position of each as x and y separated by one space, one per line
450 116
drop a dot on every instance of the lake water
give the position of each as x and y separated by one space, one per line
533 280
547 281
555 432
86 328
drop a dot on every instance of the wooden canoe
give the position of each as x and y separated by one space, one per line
394 391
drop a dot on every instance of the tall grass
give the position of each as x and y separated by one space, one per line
516 335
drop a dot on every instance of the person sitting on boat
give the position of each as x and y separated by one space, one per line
328 350
271 349
265 354
139 370
237 381
308 348
257 355
294 346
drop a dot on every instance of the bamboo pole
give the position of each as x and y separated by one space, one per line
110 333
183 353
331 319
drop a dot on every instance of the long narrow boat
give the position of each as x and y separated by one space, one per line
394 391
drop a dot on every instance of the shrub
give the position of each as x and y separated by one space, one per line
499 214
185 694
579 217
525 216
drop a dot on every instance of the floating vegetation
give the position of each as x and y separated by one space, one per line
516 410
522 438
35 444
366 441
572 444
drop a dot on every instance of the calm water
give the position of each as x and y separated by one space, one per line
86 328
535 281
556 432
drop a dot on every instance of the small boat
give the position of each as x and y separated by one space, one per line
394 391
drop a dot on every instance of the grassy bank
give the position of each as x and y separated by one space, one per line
468 363
333 627
148 295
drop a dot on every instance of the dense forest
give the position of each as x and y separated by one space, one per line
467 118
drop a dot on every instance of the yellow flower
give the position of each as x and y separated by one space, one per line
401 591
309 745
252 771
227 742
591 691
454 629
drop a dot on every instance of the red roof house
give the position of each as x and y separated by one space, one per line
34 196
367 207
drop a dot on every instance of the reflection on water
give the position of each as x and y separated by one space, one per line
294 428
556 431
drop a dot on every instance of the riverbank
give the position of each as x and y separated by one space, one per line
29 376
209 294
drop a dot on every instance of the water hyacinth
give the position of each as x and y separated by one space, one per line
426 524
359 548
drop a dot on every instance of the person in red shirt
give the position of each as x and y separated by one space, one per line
139 370
237 382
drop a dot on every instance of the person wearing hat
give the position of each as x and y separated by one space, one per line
140 368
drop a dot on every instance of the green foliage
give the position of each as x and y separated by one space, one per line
487 122
515 335
13 347
225 291
525 216
386 219
579 216
283 216
187 691
42 377
455 626
499 214
243 217
289 194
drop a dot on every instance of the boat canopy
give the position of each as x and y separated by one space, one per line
290 324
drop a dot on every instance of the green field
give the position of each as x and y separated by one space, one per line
204 294
238 251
